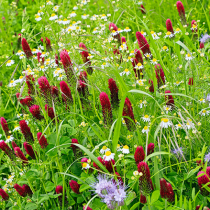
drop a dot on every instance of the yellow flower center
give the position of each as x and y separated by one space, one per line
152 32
142 32
204 111
145 127
8 137
165 120
139 64
126 70
146 116
104 147
154 59
84 165
53 15
118 145
9 61
168 33
125 147
37 16
108 153
165 48
188 55
177 29
127 28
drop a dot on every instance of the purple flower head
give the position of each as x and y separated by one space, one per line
111 192
178 152
207 157
208 98
204 38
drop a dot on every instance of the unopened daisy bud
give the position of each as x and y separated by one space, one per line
169 98
20 154
139 154
4 147
4 195
202 180
181 11
5 126
106 109
42 140
27 189
26 131
143 10
20 190
114 93
45 89
26 48
36 112
159 75
151 88
150 148
66 93
50 112
30 81
74 186
29 150
169 26
128 112
190 81
65 59
143 44
144 181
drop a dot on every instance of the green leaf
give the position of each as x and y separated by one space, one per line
134 207
64 140
131 196
156 154
80 199
155 196
84 187
49 186
192 172
32 174
31 206
51 151
51 139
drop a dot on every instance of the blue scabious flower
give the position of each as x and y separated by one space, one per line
111 192
204 38
207 157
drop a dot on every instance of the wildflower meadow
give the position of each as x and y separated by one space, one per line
105 105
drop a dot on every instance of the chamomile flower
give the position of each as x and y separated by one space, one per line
19 53
169 34
204 112
167 109
148 55
65 22
108 156
10 62
177 83
194 27
12 83
17 128
104 149
119 147
83 124
165 123
202 100
154 35
140 82
154 61
146 118
85 166
119 30
57 72
127 29
85 16
43 68
125 150
40 13
139 3
188 57
49 3
73 14
145 129
122 48
104 65
37 17
165 48
61 77
75 8
34 51
55 8
177 31
142 103
143 33
190 124
126 71
22 56
53 17
178 126
139 66
9 139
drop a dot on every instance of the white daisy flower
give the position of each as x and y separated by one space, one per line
119 30
104 149
135 173
177 83
178 126
169 34
22 56
43 68
10 62
17 128
202 100
37 17
125 150
146 118
75 8
19 53
18 116
165 123
188 57
108 156
126 71
9 139
139 66
118 147
142 103
85 16
127 29
95 31
12 83
154 61
165 48
204 112
177 31
154 35
53 17
40 13
57 72
55 8
35 51
85 166
140 82
49 3
148 55
167 109
61 77
145 129
73 14
189 124
84 2
65 22
44 54
114 33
